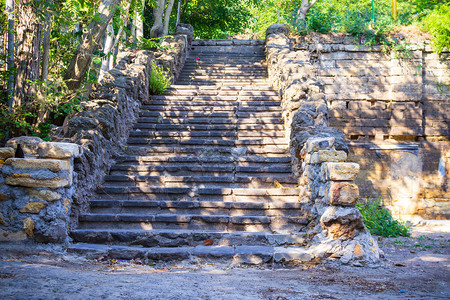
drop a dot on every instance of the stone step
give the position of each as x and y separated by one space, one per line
254 82
155 207
155 99
180 238
132 141
227 42
229 115
245 88
211 127
231 181
277 224
207 151
249 255
212 121
203 92
211 159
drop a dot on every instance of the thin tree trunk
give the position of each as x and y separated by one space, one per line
46 47
167 17
115 46
138 24
10 57
303 11
29 36
109 41
158 12
89 42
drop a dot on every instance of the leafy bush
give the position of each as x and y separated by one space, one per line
159 80
379 220
438 24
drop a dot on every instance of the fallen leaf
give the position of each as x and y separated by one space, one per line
208 242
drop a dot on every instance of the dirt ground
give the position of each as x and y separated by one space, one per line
414 268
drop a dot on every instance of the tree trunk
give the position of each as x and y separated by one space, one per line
138 24
109 41
10 58
89 42
303 11
167 17
46 46
29 36
158 12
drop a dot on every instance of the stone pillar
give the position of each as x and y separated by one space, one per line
36 191
340 231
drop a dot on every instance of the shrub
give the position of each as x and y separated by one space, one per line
159 80
438 24
379 220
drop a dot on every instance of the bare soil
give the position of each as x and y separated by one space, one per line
414 268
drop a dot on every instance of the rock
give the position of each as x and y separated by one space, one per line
277 29
343 193
6 152
23 180
341 171
319 143
58 150
46 195
33 207
3 197
52 165
328 156
2 220
253 255
187 30
290 254
12 236
28 226
342 222
29 143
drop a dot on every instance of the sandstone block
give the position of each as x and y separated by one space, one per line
53 165
328 155
343 193
28 143
28 226
6 152
27 181
33 207
58 150
316 144
341 171
46 195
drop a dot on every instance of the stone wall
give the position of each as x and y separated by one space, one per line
318 156
36 191
392 107
42 194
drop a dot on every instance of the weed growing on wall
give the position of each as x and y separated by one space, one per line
379 220
159 80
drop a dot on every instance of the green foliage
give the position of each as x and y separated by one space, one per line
438 24
379 220
159 80
218 19
15 122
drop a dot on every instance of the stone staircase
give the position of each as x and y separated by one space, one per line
206 173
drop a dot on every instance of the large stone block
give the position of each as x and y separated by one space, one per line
46 195
28 143
341 171
343 193
6 152
58 150
328 155
316 144
53 165
28 226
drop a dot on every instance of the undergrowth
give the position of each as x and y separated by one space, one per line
159 80
379 220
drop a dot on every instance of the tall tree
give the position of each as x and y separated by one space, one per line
90 41
28 47
10 58
303 11
161 12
